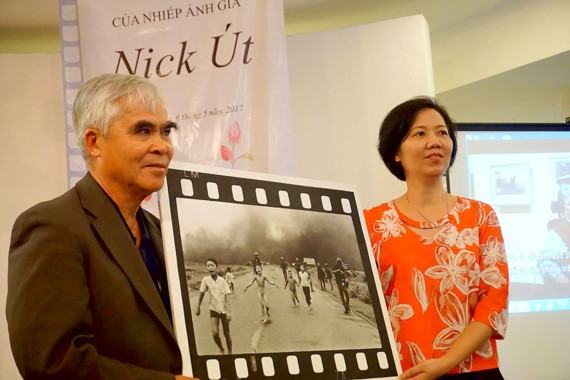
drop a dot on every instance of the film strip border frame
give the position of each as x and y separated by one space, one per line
231 186
72 74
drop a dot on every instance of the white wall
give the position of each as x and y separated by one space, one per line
33 153
343 82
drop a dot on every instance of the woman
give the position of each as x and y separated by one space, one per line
441 257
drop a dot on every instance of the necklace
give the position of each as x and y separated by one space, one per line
431 224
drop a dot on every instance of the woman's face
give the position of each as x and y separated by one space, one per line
426 150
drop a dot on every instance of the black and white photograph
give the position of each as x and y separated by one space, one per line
274 258
510 184
269 268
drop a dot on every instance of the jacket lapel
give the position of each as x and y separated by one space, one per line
117 241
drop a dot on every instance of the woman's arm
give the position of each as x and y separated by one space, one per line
474 335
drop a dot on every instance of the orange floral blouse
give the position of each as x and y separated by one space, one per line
434 287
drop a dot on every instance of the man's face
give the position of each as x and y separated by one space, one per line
133 159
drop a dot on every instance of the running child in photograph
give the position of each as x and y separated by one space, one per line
219 291
292 283
230 278
260 279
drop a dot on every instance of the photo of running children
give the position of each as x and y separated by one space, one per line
238 236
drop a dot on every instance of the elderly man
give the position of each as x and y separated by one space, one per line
87 289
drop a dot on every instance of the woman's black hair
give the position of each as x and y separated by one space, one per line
397 124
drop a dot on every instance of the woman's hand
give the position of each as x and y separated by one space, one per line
472 337
426 370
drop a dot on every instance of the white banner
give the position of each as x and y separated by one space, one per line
221 66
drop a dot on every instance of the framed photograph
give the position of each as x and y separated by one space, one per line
561 169
247 257
510 184
560 183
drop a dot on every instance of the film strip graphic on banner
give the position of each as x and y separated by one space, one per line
72 81
277 330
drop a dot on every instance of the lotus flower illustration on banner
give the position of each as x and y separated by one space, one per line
228 152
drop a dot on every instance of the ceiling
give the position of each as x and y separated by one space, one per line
300 15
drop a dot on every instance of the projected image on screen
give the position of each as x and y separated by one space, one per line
524 173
